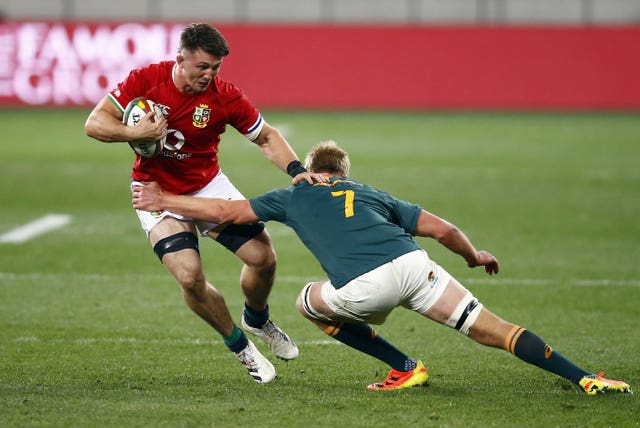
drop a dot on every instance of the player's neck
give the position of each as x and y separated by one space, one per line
180 82
330 175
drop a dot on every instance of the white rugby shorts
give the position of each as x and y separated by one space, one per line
412 281
219 187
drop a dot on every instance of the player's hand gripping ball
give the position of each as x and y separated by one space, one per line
133 113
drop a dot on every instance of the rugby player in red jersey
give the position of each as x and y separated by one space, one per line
197 106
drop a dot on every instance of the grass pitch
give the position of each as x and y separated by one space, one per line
94 332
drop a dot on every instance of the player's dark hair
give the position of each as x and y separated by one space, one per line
204 36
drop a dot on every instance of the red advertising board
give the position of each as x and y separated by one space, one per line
326 67
50 63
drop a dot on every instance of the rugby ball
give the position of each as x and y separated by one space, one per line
133 113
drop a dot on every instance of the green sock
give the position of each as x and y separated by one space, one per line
365 339
255 318
237 341
532 349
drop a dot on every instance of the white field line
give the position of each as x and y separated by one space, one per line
503 282
546 282
37 227
134 340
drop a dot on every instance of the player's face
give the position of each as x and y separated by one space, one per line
198 69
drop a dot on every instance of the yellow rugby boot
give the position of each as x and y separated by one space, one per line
598 384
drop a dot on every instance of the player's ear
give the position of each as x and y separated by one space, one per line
180 59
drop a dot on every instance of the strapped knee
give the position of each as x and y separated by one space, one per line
465 314
305 300
177 242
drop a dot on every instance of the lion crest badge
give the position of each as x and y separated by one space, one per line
201 116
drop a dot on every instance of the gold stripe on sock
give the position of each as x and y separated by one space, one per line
333 330
512 338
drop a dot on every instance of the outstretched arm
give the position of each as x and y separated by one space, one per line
446 233
151 197
276 148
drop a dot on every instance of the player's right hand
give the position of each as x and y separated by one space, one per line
147 197
486 259
150 128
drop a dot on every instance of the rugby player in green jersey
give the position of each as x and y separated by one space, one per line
363 238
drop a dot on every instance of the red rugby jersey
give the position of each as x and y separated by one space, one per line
189 159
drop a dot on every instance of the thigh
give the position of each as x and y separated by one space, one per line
255 251
421 280
220 187
448 301
149 221
185 265
169 226
369 298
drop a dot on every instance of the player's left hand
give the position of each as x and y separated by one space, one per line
309 177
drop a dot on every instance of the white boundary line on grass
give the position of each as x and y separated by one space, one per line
580 282
545 282
134 340
37 227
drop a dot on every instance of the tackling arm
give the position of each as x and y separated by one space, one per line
447 234
151 197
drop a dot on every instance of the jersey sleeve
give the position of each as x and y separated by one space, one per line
241 113
271 205
404 214
408 215
132 86
140 82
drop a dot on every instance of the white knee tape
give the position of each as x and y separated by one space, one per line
306 303
465 314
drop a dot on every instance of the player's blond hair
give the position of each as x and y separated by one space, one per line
328 157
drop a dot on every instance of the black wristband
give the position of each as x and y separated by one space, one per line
294 168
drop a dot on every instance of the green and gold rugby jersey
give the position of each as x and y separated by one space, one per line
349 227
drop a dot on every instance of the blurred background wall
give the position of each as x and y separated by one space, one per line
336 11
339 54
